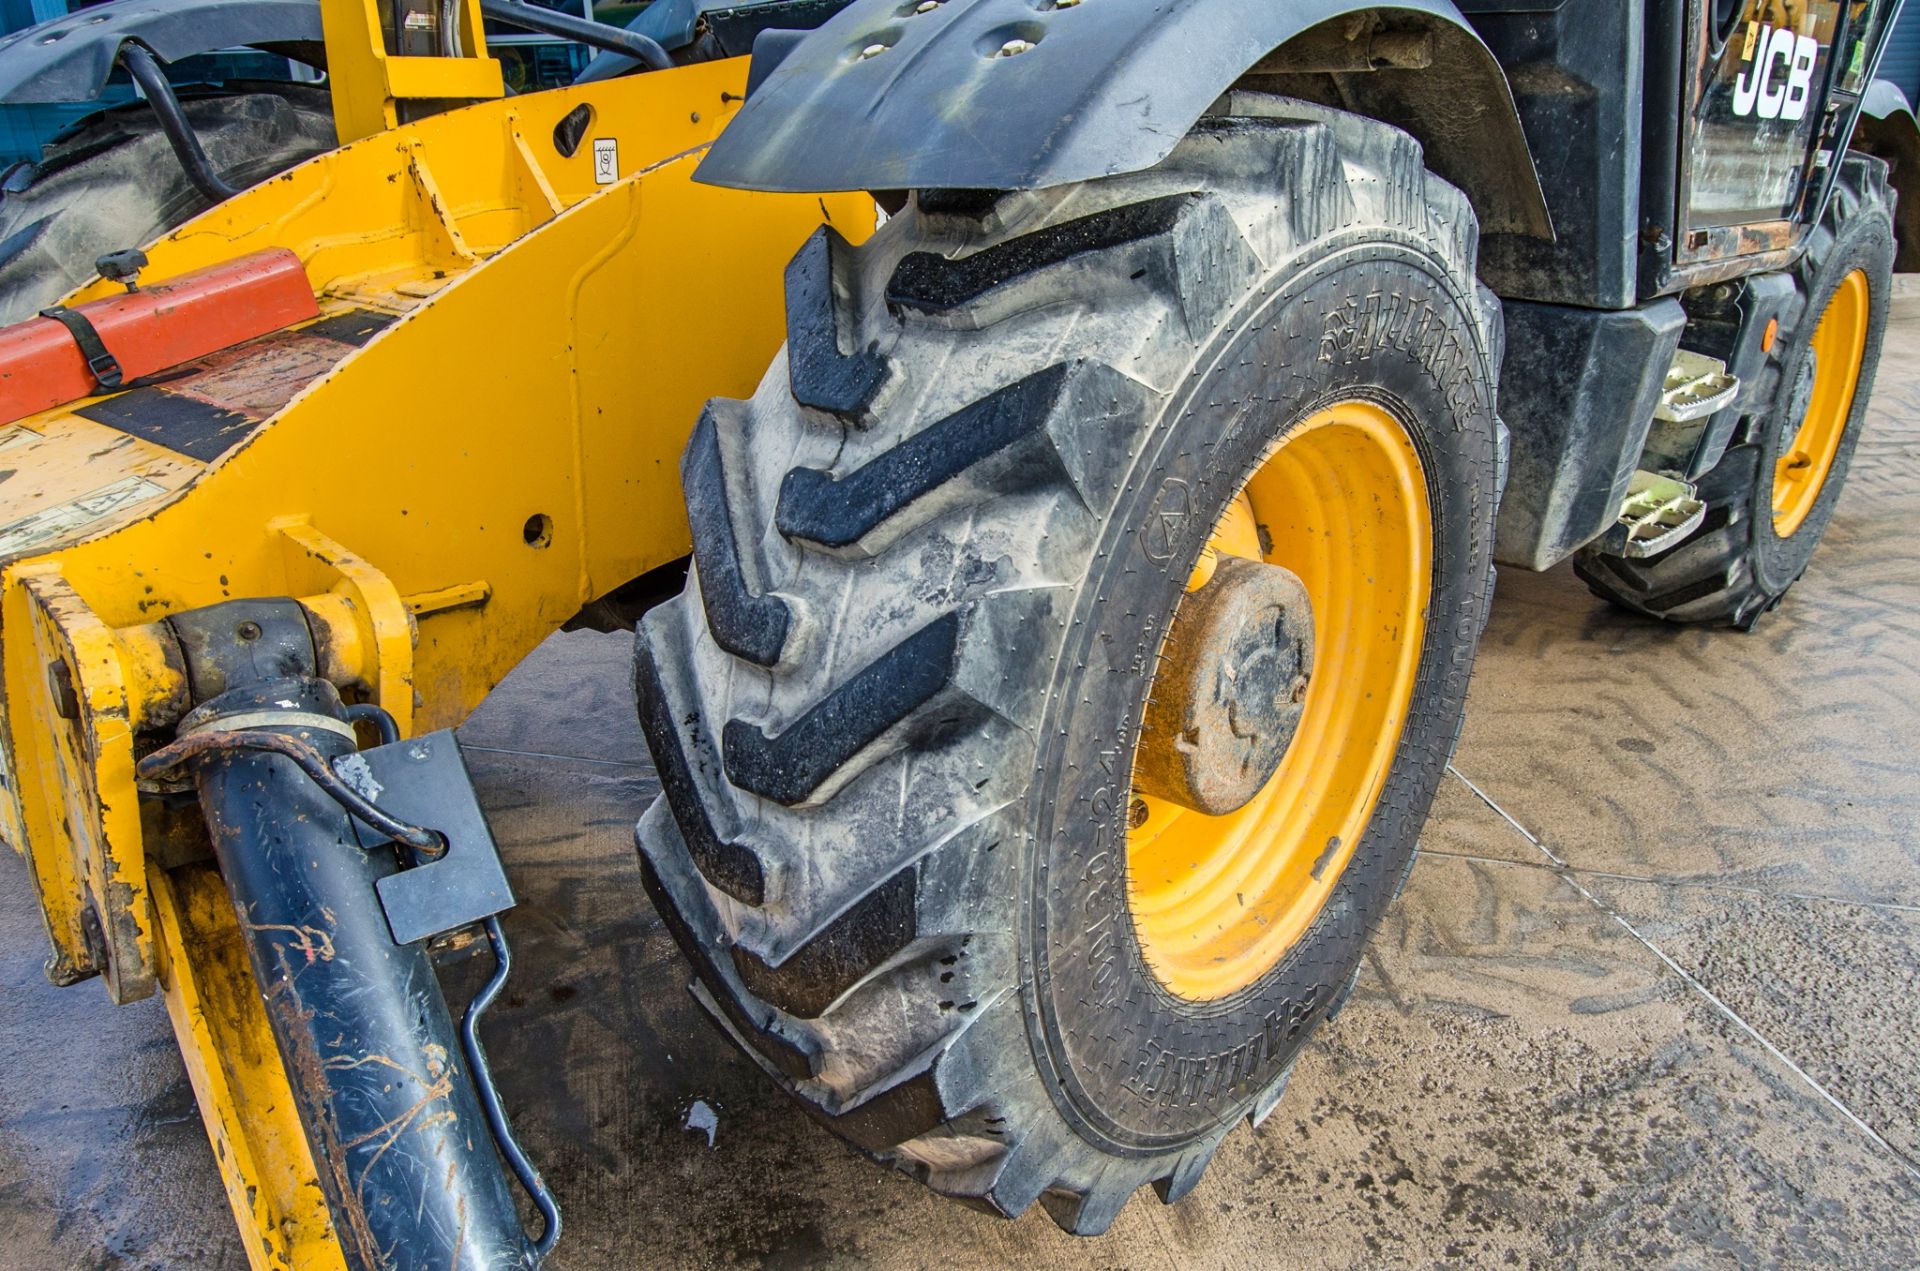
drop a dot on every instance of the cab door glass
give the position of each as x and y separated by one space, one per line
1760 104
1858 44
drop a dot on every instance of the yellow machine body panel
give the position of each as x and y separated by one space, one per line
494 443
237 1078
369 84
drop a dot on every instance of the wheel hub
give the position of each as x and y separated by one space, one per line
1272 720
1230 688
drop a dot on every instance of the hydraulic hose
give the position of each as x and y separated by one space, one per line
595 35
179 132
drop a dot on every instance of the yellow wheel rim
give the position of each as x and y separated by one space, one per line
1342 502
1838 345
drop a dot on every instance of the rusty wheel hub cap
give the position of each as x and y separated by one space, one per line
1229 692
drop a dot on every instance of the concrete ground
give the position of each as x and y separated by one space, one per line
1651 993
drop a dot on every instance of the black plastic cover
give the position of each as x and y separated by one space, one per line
70 58
1005 94
1576 71
1578 391
1887 130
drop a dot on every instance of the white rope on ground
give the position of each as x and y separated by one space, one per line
1567 875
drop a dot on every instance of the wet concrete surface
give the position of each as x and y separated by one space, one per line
1650 993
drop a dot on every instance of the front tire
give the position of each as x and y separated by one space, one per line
937 558
1771 495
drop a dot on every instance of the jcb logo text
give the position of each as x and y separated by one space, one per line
1778 77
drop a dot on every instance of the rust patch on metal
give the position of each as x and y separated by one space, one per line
307 1072
259 378
314 944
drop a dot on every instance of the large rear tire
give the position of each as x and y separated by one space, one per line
113 182
937 558
1771 495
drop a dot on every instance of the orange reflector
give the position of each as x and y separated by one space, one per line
1766 337
154 328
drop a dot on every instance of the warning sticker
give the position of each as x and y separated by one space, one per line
606 160
54 522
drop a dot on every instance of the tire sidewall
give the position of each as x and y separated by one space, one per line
1374 315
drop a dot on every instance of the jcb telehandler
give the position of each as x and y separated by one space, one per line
1079 611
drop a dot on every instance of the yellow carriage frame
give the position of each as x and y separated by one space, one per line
502 451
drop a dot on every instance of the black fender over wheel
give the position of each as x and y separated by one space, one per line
1747 552
936 556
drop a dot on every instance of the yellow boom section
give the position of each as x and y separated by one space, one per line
369 84
524 304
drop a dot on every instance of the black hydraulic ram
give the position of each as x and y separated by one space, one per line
398 1108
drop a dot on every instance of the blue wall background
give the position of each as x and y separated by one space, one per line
1901 62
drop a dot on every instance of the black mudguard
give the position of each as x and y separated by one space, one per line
1104 86
69 59
1887 130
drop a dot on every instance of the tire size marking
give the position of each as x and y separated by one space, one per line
1105 872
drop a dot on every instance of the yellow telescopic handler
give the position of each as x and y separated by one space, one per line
1053 455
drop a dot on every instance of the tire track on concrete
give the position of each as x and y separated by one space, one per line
1567 875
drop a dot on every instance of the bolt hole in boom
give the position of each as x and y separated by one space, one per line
572 130
538 531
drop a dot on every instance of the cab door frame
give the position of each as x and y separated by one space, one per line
1696 57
